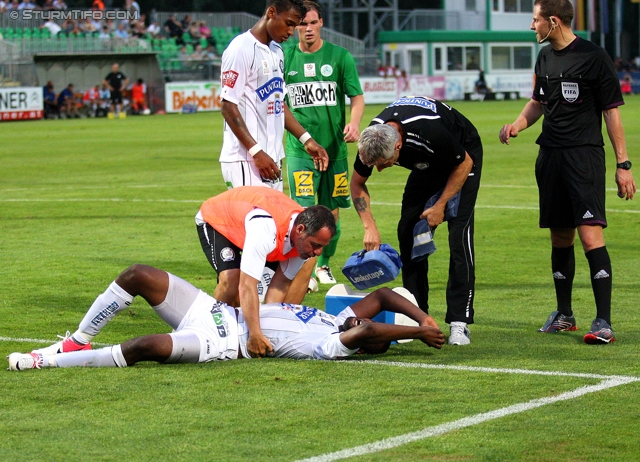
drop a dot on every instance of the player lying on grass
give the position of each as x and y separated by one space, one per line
205 329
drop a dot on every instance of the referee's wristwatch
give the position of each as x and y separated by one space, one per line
626 165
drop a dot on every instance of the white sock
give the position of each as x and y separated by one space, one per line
86 358
103 309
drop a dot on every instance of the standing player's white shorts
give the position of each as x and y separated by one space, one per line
209 329
244 173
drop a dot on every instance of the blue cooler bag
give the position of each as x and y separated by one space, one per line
369 269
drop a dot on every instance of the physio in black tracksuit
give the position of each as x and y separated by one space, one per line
442 149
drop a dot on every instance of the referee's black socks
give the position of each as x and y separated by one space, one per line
563 266
600 266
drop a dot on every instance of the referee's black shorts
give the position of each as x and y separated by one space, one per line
571 186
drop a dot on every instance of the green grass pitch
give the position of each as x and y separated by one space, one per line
80 200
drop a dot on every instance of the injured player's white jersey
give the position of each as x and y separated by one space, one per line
299 332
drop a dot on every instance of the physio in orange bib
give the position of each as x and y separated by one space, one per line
244 229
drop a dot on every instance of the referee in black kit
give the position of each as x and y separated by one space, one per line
575 86
444 152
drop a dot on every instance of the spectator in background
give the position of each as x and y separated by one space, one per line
97 5
91 98
121 32
625 85
205 32
59 5
390 71
173 29
183 55
116 81
70 27
13 5
481 84
138 29
110 25
67 102
210 52
104 34
185 23
194 31
49 99
139 97
104 100
154 30
133 7
87 27
97 25
52 26
26 5
140 23
198 53
403 82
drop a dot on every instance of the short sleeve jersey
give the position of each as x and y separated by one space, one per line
115 80
298 332
317 84
574 85
252 78
435 137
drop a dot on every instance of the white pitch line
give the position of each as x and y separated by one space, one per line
74 188
199 201
495 370
389 443
506 207
437 430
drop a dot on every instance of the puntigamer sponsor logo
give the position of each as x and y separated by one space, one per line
76 15
274 85
368 277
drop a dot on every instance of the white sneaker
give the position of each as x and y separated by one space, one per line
24 361
313 285
323 273
459 334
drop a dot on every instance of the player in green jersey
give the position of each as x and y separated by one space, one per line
318 76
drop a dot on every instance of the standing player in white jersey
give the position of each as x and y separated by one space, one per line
205 329
252 101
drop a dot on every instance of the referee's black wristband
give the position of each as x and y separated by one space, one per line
626 165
